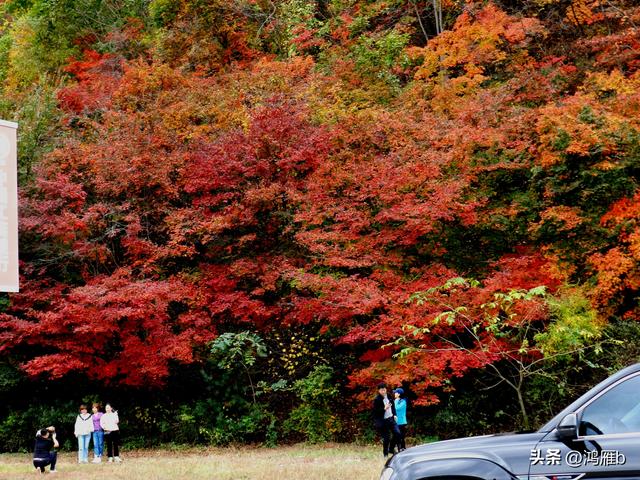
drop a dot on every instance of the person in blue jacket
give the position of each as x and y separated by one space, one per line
401 413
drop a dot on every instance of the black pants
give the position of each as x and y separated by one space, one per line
403 434
42 462
390 434
112 439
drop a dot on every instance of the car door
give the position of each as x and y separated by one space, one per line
607 444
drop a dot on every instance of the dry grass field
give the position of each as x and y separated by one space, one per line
300 462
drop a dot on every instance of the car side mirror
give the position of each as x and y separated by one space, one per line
567 429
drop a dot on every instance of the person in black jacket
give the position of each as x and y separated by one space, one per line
384 420
43 453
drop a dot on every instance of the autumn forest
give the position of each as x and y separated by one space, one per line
238 216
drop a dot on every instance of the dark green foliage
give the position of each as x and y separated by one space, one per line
316 415
18 428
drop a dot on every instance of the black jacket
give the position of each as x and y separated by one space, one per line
378 410
43 447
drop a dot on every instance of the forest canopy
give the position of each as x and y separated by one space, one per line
257 200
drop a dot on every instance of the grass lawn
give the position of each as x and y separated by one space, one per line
300 462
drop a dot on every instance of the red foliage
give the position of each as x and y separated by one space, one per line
384 195
98 77
438 359
270 196
112 329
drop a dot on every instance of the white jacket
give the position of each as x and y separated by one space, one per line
84 424
109 421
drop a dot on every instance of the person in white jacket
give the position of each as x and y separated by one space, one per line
83 430
109 423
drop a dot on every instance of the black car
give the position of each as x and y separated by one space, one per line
597 436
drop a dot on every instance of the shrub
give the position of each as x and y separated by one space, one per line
18 428
315 418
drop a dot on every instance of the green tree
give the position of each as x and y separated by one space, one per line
232 349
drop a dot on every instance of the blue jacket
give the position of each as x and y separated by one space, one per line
401 410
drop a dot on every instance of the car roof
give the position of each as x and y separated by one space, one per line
549 426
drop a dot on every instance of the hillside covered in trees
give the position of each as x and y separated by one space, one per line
238 216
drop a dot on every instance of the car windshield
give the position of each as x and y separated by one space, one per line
616 411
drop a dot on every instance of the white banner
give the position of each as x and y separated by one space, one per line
8 207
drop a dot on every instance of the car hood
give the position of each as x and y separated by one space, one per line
512 451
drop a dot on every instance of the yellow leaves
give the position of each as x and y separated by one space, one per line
592 121
583 12
548 159
296 352
604 84
429 59
557 268
193 107
447 92
181 119
453 64
25 68
545 3
575 322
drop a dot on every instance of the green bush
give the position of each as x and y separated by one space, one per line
18 428
315 418
256 426
575 326
163 12
375 57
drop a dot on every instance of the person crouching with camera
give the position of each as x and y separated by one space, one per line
44 453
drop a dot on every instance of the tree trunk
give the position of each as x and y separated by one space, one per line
523 409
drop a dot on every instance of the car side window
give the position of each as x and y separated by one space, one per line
616 411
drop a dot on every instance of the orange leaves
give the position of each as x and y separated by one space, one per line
584 12
613 269
476 42
519 30
626 209
456 63
618 275
578 127
565 218
613 83
633 241
142 84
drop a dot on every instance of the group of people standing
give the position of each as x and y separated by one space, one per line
390 419
101 427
